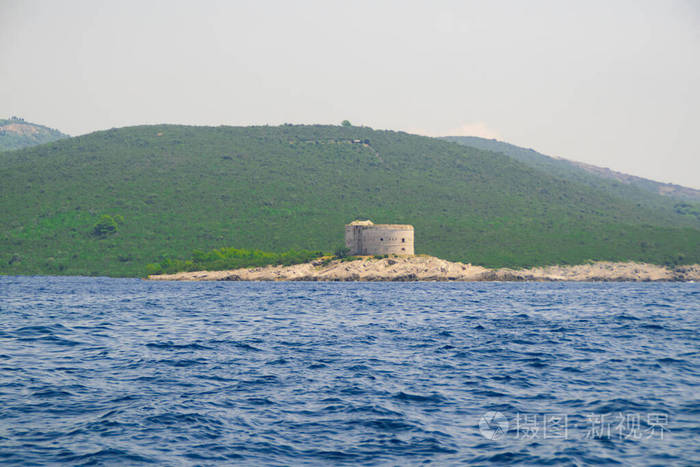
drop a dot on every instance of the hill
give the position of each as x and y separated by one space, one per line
15 133
110 202
621 184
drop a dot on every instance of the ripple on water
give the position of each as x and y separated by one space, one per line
124 372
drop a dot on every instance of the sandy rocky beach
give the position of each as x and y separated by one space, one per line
429 268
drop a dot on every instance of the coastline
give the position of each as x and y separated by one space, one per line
429 268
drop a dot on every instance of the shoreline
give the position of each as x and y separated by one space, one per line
431 269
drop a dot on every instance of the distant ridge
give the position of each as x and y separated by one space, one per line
577 171
16 133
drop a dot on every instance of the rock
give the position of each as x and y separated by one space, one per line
428 268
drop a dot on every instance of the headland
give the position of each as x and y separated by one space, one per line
429 268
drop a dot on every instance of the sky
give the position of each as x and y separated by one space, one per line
610 83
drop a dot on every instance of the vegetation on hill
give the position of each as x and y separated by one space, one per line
15 133
619 184
222 259
111 202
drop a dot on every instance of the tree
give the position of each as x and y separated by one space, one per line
342 252
106 225
346 123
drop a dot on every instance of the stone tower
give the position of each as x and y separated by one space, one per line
366 238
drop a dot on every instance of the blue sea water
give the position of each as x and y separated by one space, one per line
123 372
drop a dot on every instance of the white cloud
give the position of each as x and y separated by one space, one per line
466 129
474 129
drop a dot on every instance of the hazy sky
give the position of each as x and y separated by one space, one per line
612 83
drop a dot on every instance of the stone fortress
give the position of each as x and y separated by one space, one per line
367 238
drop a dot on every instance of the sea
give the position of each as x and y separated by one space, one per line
102 371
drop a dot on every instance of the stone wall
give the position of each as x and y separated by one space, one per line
379 239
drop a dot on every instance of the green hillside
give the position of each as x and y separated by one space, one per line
15 133
617 183
113 201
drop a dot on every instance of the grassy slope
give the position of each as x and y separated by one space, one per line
275 188
32 135
634 188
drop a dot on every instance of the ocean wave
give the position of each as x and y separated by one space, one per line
128 372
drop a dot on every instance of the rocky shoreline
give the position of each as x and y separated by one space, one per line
428 268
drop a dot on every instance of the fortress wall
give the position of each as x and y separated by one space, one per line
379 239
353 238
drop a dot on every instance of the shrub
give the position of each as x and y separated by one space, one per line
342 252
106 225
231 258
